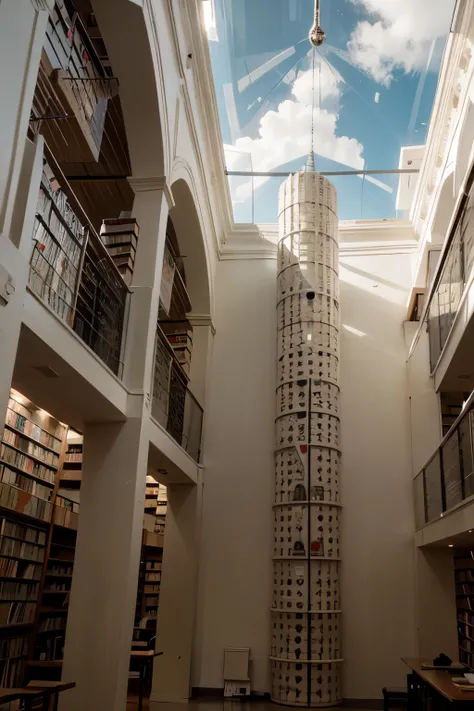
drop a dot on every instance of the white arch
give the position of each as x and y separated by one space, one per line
188 221
125 28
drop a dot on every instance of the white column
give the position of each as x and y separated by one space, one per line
203 343
104 587
176 612
22 32
151 206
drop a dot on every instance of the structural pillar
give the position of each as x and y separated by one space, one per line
106 564
177 609
115 464
306 610
22 32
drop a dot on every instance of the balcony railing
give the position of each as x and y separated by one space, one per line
71 270
452 279
448 477
174 406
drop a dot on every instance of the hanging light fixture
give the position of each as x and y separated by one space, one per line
316 33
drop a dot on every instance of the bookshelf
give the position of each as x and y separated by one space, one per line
22 550
71 471
464 582
39 510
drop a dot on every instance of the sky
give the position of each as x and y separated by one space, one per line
374 83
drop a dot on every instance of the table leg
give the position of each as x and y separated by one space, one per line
142 680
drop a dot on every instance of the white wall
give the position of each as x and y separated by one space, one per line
378 584
378 556
235 564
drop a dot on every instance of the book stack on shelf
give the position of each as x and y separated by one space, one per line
29 458
22 550
151 495
52 619
66 512
180 338
71 472
120 236
161 509
464 579
59 240
151 590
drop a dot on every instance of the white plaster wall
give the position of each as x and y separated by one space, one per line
378 555
378 574
235 564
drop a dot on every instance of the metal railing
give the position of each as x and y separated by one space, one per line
173 405
71 270
447 479
452 278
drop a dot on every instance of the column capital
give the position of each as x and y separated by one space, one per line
148 185
202 320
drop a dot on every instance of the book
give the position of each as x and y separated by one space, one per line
119 239
120 225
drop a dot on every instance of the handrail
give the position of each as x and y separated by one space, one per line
457 215
459 467
66 187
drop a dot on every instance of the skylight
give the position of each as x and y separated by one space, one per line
375 79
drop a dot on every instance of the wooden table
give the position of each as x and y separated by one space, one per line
426 681
145 661
44 691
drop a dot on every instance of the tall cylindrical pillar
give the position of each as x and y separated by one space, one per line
306 611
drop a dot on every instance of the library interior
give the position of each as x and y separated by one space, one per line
236 354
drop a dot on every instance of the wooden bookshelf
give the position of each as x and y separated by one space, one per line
464 582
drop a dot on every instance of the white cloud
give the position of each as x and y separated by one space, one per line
285 134
400 36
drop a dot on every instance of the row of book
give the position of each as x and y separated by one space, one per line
13 647
25 483
465 576
51 648
65 517
30 448
120 237
73 457
51 192
58 586
50 426
153 565
23 462
13 568
59 568
66 503
15 613
21 549
465 602
23 502
52 623
20 530
12 672
20 422
152 577
20 592
152 588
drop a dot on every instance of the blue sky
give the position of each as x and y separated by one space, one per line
376 82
